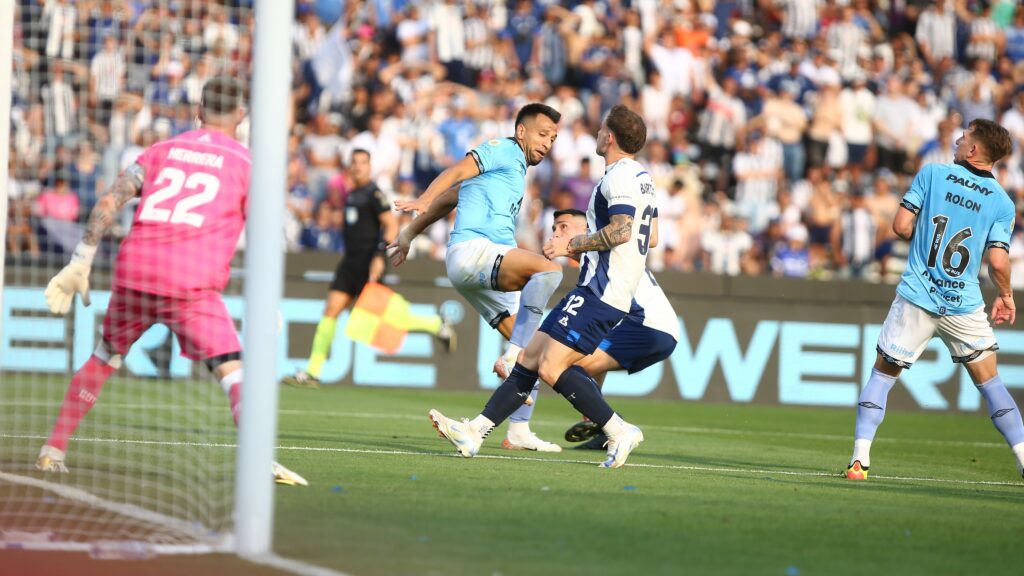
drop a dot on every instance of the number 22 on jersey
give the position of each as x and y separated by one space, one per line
181 212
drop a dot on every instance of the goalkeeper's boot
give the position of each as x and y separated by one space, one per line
621 445
583 430
528 441
466 440
446 336
596 443
285 476
301 379
51 460
857 471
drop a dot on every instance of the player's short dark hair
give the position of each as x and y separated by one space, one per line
535 109
628 127
630 131
361 151
223 95
993 138
569 212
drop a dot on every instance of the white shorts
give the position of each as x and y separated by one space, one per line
473 270
908 329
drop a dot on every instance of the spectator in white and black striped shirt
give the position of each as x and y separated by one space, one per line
845 39
799 18
60 17
106 79
936 33
60 107
986 40
479 52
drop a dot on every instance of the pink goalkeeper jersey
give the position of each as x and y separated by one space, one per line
191 213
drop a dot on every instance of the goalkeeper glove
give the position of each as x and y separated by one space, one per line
74 277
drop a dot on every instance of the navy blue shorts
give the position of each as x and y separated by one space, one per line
635 346
581 320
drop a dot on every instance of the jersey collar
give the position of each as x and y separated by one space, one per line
974 170
512 138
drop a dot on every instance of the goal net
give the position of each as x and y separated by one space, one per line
150 450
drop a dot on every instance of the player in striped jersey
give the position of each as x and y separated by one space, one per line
646 336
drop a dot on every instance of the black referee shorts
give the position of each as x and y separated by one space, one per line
352 273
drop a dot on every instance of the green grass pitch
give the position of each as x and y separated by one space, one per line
714 489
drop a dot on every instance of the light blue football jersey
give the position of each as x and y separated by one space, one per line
961 212
489 202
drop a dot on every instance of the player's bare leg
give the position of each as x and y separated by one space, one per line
1002 408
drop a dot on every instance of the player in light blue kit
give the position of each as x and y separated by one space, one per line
483 262
952 214
614 259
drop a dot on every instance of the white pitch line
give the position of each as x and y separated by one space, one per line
545 422
293 566
722 469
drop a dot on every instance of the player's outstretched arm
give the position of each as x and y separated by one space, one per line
617 232
1003 307
74 278
462 170
398 249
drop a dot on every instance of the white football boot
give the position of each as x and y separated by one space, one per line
466 440
285 476
621 444
528 441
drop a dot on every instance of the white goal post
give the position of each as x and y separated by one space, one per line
264 264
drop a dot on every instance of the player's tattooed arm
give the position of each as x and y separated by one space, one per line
104 214
615 233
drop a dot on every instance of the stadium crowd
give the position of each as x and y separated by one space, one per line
781 133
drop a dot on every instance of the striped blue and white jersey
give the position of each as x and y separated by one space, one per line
613 275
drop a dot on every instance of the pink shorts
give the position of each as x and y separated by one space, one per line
202 324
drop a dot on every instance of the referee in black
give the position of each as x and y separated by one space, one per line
369 227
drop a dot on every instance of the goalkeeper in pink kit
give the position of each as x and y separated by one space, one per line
172 266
